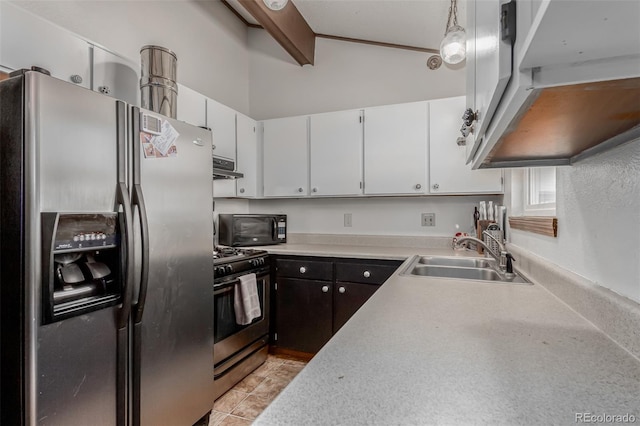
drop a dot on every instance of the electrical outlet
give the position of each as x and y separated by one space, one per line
347 220
428 219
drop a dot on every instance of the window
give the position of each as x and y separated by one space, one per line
540 190
533 201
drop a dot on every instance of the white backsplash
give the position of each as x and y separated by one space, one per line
376 216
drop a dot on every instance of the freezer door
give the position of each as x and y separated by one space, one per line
71 165
175 335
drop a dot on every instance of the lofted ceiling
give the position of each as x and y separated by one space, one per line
406 23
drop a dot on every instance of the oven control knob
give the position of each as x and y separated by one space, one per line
228 269
303 269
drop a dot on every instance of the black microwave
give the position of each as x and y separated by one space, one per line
241 230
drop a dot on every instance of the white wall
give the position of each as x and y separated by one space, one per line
210 42
345 76
375 216
598 210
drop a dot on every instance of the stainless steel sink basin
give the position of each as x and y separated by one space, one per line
478 269
457 261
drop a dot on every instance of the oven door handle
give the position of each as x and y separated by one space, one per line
225 288
228 286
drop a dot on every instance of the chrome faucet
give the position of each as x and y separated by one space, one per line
504 258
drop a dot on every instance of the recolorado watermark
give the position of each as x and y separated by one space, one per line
605 418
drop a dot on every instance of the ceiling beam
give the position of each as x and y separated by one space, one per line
379 43
287 27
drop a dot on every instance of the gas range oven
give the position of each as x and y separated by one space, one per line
238 349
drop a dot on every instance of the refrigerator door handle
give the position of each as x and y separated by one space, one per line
122 199
138 200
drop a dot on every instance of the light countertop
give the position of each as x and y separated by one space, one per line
439 351
361 251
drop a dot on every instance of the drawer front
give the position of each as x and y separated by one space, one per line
308 269
364 273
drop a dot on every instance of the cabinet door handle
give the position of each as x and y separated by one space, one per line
341 289
300 190
105 90
213 147
325 288
436 186
315 189
77 79
242 190
366 274
303 269
418 186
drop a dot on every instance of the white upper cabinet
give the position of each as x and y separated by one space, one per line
395 149
447 169
488 64
335 143
192 107
247 144
285 157
587 69
606 30
116 76
222 121
27 40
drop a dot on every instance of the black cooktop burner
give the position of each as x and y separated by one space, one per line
228 254
220 252
232 261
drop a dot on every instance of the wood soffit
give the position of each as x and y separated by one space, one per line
291 37
564 121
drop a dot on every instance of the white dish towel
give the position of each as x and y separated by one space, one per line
246 303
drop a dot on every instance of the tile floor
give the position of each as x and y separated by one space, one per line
246 400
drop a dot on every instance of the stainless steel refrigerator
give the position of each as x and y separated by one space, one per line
106 273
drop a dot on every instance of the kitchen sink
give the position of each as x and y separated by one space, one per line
457 261
478 269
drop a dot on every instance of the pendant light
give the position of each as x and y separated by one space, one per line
276 4
453 48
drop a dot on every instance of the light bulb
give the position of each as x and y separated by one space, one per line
275 4
453 48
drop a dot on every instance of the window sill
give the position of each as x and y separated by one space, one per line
543 225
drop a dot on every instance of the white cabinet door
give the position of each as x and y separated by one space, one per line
285 157
335 144
222 121
447 169
192 107
247 143
492 65
395 149
116 76
27 40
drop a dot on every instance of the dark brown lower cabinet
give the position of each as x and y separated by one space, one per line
304 314
315 297
347 299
